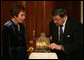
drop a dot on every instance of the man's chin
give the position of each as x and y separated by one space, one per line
58 24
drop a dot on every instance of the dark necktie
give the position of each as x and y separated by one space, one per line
61 33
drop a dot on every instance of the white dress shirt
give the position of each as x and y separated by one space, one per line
63 28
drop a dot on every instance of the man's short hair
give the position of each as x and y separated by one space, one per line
15 9
59 11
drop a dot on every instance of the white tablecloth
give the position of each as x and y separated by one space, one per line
35 55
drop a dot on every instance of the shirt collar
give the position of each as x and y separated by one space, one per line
65 21
14 23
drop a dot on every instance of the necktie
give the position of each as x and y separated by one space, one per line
61 32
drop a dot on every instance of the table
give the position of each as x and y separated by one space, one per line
36 55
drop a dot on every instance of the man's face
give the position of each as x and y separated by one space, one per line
21 17
58 20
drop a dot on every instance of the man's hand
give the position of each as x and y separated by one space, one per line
55 46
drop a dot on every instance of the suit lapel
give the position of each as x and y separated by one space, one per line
67 26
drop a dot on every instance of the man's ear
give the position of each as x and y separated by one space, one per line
64 18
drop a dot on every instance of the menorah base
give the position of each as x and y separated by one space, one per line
40 55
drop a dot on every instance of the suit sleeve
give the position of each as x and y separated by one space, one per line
51 31
5 35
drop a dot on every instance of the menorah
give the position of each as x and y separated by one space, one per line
42 43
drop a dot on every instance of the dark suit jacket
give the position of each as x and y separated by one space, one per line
14 45
72 38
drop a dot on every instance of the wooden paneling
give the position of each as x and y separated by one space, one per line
76 10
48 15
30 23
38 16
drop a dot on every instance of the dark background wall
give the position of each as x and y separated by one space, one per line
38 16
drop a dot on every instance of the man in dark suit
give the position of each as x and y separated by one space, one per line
68 43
